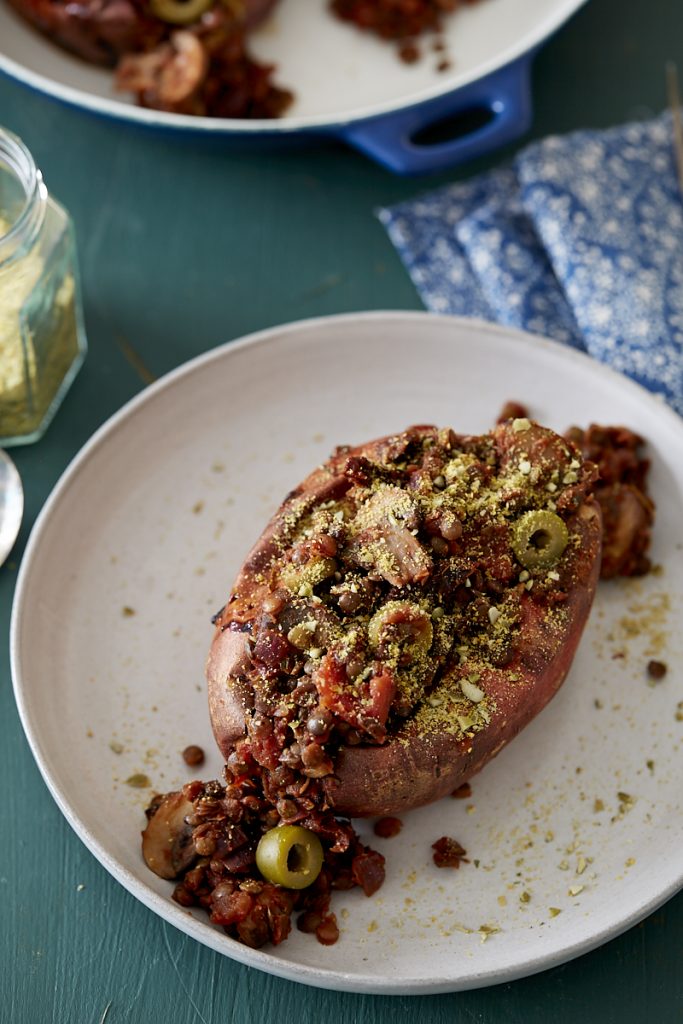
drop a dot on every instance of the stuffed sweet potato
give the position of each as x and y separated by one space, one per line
411 606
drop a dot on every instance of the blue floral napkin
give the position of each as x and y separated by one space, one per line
581 240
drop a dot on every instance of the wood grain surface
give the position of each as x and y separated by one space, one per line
184 245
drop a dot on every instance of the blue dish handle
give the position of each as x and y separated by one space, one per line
393 139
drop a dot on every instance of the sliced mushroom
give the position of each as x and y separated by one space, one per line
627 521
391 552
168 75
186 71
414 564
167 844
383 540
139 72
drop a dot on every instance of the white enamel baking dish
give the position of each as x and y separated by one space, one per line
348 85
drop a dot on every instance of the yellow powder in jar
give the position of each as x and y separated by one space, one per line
17 357
32 365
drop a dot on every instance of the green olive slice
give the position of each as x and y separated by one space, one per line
179 12
539 539
300 579
290 855
404 625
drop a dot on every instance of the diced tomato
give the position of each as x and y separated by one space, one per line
382 690
365 705
368 870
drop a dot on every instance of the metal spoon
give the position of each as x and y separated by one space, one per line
11 504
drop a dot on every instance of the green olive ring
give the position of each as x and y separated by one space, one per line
539 539
290 856
419 632
179 12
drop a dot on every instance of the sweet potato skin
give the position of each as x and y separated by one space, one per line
228 697
425 759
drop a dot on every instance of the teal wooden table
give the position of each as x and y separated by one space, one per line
184 246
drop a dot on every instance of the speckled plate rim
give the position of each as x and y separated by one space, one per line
165 908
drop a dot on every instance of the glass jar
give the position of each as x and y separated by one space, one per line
42 338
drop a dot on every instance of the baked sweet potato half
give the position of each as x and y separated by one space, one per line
410 607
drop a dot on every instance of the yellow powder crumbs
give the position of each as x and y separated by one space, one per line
138 781
626 802
554 911
646 619
14 291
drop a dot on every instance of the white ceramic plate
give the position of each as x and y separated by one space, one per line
337 73
138 544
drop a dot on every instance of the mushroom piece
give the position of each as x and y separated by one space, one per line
139 72
185 71
627 520
168 75
385 542
167 844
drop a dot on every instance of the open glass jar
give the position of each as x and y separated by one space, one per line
42 338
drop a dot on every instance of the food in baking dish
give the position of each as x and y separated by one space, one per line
192 56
